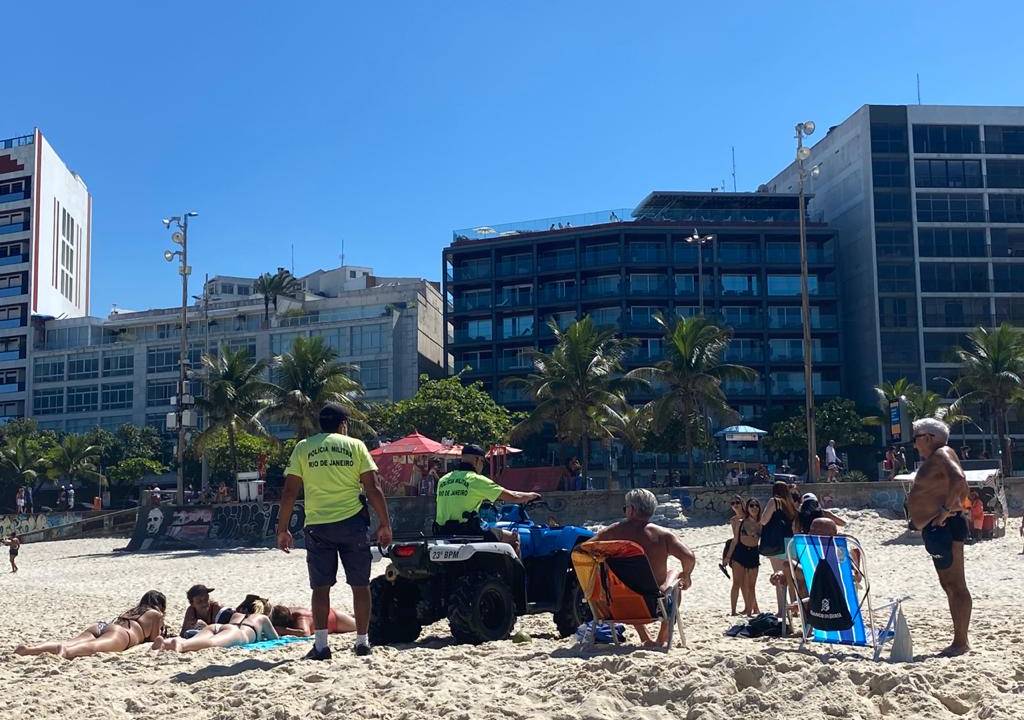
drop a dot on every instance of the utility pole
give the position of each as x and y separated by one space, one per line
802 154
183 400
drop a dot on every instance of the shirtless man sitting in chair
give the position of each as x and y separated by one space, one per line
658 543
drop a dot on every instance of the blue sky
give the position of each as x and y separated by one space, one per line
390 124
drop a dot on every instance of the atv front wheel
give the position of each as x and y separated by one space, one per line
574 610
481 609
393 611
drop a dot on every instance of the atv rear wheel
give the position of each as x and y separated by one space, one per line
574 610
481 609
393 611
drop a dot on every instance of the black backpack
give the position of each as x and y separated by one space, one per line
826 606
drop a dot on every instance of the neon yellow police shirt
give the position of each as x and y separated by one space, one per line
330 465
462 491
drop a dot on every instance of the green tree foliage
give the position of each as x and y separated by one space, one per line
688 383
306 378
836 419
249 449
444 408
272 286
235 391
74 459
579 386
992 371
126 472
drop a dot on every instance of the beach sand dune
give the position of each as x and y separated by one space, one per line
63 586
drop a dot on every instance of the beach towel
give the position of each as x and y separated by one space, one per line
602 634
275 643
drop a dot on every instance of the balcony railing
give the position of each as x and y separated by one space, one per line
546 331
514 363
518 333
821 288
12 323
601 291
647 256
558 294
735 292
643 323
13 227
649 289
11 355
473 302
742 388
515 300
562 222
738 256
558 261
744 355
476 271
602 258
11 143
818 355
785 322
642 356
13 259
476 365
7 388
754 321
957 320
787 255
518 267
12 291
466 336
12 197
821 387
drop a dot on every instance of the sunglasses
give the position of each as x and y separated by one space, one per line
921 435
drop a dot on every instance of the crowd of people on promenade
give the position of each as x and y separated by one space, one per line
339 479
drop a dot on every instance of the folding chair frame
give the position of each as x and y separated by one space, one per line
674 619
877 639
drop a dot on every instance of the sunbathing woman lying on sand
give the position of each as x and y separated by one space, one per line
143 623
241 629
298 621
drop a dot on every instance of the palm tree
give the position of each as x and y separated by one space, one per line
305 379
271 286
689 380
636 422
21 460
75 459
992 368
579 386
235 391
887 392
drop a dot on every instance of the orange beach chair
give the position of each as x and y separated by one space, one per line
619 585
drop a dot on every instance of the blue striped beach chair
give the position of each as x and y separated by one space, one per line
836 604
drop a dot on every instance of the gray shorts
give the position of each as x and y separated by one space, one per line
347 540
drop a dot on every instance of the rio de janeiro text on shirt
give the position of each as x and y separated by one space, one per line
445 489
332 461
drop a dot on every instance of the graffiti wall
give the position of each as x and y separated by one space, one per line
255 524
22 524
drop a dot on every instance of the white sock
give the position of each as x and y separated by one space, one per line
320 639
362 639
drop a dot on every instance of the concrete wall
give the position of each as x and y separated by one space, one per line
255 524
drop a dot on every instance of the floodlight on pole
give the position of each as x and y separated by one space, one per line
802 154
700 240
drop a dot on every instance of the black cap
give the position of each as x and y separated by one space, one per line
332 415
197 590
475 450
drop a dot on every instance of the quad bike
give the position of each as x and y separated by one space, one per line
480 586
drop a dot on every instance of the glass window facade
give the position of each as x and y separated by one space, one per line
83 398
963 139
117 396
953 277
951 242
81 367
949 174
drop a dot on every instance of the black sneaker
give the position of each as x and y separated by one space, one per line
315 654
362 650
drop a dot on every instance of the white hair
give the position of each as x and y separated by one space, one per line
643 501
934 427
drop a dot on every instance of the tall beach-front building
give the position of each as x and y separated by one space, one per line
45 244
504 283
928 205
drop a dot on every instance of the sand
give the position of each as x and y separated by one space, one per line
63 586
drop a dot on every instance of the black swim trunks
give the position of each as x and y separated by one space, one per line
939 539
347 540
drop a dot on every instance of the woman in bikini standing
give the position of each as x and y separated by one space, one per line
144 622
744 558
241 629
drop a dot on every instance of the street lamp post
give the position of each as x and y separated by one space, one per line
802 154
183 418
700 240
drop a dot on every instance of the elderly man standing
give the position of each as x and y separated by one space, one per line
935 505
658 543
335 470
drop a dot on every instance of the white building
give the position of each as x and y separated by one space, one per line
89 372
45 243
